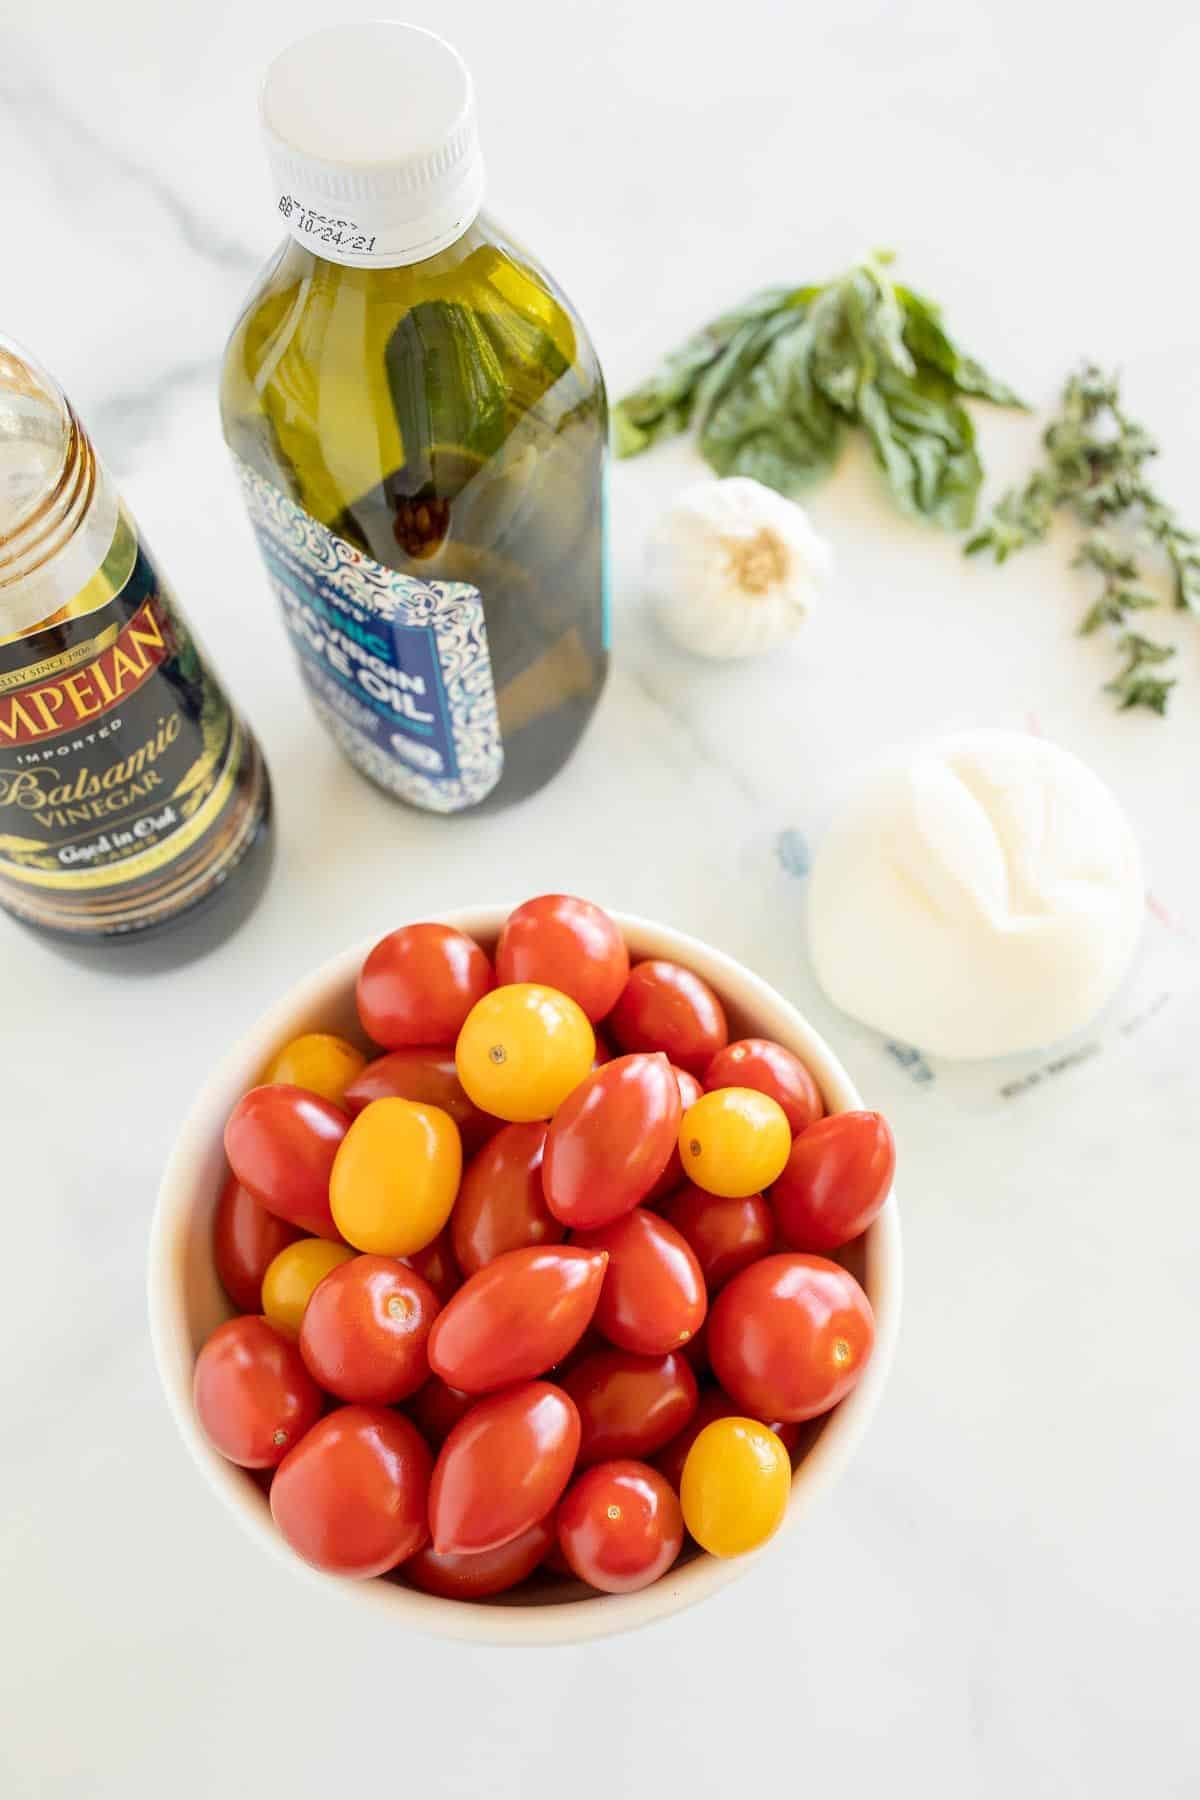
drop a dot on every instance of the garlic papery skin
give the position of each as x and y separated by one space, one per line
733 569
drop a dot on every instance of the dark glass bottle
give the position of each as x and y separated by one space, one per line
133 798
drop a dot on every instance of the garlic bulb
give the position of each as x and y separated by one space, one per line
733 569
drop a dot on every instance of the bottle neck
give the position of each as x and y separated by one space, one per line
338 241
60 540
440 251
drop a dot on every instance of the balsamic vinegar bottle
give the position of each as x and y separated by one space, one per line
132 796
419 424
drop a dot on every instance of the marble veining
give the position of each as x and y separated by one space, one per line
1001 1596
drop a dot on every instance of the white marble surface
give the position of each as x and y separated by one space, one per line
1002 1597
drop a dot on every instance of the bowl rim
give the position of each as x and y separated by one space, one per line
568 1621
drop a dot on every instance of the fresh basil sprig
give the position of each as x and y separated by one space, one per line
1095 466
771 387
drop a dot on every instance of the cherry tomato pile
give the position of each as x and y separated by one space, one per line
516 1295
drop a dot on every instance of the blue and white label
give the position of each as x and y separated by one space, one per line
398 668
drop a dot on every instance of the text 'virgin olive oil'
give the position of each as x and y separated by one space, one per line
420 427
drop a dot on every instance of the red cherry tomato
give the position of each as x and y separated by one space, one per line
419 983
516 1317
365 1328
673 1175
666 1007
629 1405
789 1337
436 1409
253 1395
456 1577
836 1179
589 1343
695 1351
246 1238
610 1140
566 944
281 1142
726 1235
770 1069
603 1053
653 1297
428 1075
556 1562
714 1404
620 1526
502 1468
500 1204
351 1497
437 1265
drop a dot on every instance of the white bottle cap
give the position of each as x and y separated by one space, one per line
372 143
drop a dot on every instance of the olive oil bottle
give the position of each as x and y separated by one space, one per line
419 425
132 796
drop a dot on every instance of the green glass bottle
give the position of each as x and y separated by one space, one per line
420 428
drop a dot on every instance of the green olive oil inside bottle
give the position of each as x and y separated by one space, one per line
420 428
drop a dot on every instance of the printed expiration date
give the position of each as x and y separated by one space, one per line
342 232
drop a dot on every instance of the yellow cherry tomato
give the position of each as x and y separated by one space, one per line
395 1177
522 1050
735 1486
291 1276
734 1142
317 1061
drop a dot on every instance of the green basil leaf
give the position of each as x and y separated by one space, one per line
664 404
924 442
930 343
837 371
775 425
874 302
629 439
738 358
770 385
780 456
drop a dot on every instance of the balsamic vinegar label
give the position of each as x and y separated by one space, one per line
118 750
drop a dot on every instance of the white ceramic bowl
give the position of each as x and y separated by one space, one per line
187 1303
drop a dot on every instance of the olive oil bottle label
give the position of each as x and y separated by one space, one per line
398 669
118 752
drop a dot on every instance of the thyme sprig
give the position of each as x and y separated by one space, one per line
1095 465
1133 686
